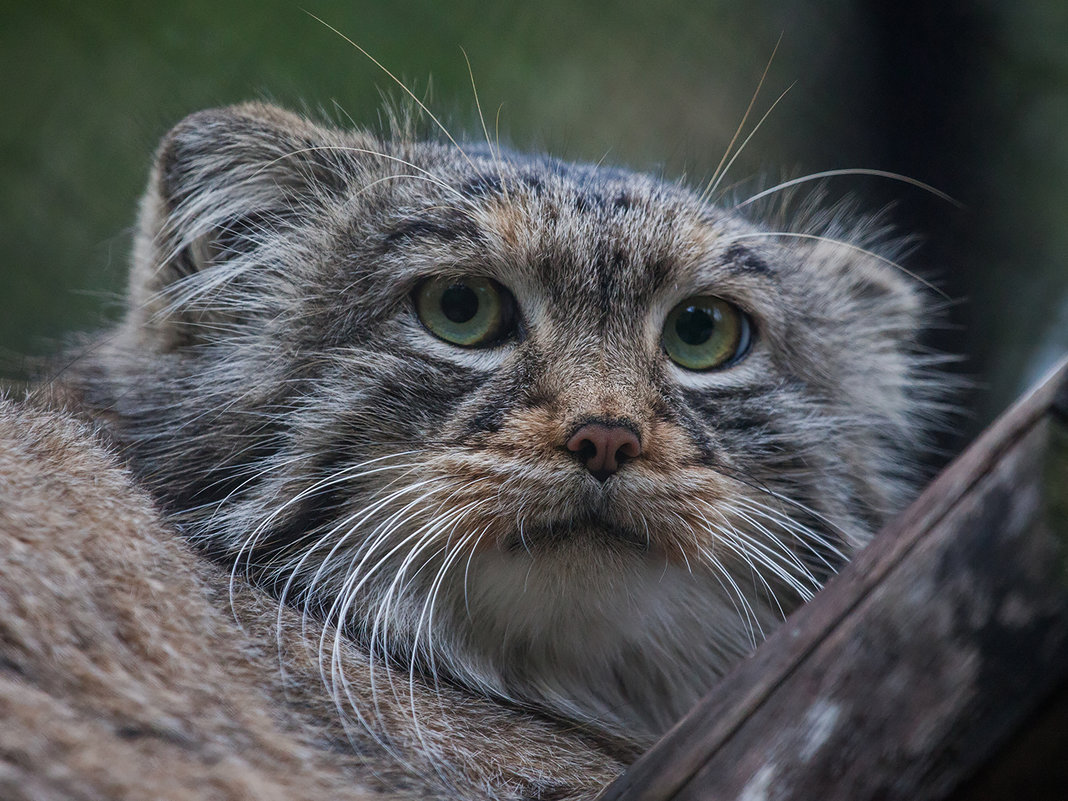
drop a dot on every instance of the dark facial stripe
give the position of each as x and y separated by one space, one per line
317 509
742 261
495 406
311 514
445 230
672 408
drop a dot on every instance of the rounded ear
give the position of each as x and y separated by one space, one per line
224 181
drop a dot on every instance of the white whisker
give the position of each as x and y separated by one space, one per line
816 176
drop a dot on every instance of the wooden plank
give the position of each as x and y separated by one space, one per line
909 669
1032 766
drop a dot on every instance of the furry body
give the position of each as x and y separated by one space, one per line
277 391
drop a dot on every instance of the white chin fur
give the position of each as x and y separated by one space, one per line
625 640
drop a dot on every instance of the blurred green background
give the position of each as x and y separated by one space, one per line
969 97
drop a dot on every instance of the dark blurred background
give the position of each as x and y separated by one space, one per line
969 97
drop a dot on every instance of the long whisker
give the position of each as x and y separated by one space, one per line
779 562
399 83
713 185
358 574
733 540
737 131
893 176
427 612
340 612
812 541
352 523
496 152
380 631
764 489
342 476
751 619
348 474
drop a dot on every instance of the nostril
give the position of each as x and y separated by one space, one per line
603 448
584 449
627 448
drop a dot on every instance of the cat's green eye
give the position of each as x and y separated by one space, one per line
465 311
705 332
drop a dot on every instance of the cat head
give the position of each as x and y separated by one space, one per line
566 433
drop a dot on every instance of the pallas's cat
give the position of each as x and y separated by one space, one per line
565 436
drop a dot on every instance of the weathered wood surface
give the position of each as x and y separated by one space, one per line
934 666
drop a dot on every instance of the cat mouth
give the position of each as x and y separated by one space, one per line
552 535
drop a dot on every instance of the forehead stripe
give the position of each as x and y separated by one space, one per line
446 230
742 261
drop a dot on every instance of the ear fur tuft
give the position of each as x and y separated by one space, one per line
223 180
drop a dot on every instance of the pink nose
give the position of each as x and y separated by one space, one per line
604 448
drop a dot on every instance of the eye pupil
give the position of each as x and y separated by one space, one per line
459 303
695 325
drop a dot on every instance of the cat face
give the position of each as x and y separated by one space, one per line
564 433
